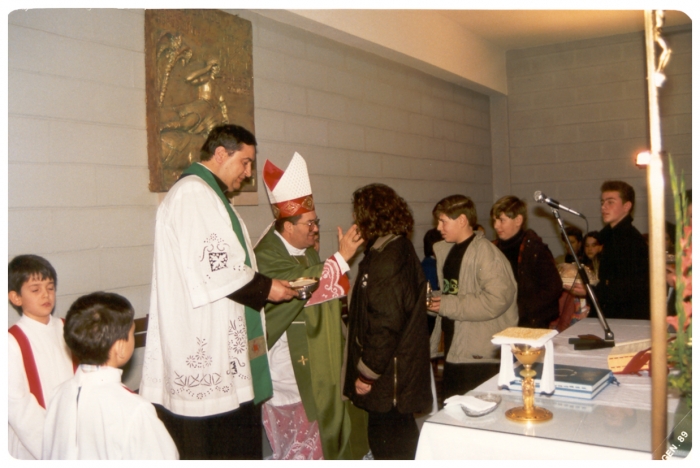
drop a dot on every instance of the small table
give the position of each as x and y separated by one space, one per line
614 425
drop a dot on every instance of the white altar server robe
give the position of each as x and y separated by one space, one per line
53 362
94 417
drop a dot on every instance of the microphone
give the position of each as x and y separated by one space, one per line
542 198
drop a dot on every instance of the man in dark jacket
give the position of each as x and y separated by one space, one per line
623 290
539 283
623 287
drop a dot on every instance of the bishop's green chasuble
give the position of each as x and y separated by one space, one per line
316 345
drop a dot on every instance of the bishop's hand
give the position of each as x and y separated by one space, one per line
349 242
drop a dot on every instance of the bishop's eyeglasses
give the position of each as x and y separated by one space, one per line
310 224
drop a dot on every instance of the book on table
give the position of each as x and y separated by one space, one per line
570 381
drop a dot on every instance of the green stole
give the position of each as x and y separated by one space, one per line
257 348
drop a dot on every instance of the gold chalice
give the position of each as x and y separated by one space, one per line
527 356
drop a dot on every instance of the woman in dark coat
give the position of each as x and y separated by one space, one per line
388 368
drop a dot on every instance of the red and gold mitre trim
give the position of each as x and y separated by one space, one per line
294 207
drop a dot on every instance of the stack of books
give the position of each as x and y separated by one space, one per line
570 381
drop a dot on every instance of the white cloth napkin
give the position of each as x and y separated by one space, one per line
507 372
470 402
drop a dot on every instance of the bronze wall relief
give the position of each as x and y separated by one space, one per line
199 74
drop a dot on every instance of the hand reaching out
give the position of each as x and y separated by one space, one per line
349 242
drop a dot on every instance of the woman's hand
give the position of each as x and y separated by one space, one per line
362 388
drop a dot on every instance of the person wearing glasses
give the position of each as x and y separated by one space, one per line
306 417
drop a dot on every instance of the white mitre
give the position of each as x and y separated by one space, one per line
289 190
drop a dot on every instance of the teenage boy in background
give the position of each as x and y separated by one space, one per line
478 297
623 286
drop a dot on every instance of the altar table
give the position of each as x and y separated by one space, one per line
616 424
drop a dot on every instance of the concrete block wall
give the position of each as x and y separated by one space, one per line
577 115
77 160
77 163
358 119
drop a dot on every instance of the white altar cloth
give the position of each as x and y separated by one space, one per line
614 425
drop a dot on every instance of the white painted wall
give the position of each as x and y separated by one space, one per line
577 114
78 173
77 164
423 39
77 160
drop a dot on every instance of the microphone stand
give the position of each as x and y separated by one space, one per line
587 341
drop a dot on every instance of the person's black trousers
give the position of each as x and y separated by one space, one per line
236 435
392 435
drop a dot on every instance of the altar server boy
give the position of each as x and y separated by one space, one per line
38 358
93 416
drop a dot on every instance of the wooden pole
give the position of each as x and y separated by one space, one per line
657 256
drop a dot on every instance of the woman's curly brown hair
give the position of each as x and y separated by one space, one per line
379 211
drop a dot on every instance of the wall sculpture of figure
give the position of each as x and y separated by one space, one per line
198 76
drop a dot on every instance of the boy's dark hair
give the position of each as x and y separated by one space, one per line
23 267
454 206
595 235
511 206
575 232
94 323
623 188
431 237
231 137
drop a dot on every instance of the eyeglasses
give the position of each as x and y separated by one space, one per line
311 223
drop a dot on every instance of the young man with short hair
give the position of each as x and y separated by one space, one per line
539 283
623 288
478 297
623 274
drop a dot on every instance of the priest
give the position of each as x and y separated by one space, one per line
306 417
205 366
